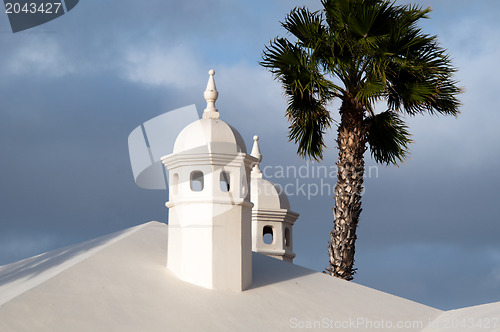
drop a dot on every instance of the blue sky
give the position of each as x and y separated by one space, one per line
73 89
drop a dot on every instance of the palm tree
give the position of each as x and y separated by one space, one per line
361 52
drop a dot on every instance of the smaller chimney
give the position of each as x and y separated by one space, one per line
272 219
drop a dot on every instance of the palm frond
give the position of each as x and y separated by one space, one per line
306 26
307 92
309 119
419 72
388 137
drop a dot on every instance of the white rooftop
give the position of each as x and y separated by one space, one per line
120 282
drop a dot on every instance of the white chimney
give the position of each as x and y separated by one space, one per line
209 233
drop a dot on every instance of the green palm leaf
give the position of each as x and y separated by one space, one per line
388 137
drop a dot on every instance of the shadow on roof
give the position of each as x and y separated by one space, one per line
268 270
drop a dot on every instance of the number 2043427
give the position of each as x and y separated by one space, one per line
33 8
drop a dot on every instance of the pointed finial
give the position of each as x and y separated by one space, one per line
211 95
256 172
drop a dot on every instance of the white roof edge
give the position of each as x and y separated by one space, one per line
19 277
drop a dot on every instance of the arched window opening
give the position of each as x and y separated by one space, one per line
243 186
287 237
197 181
224 182
268 235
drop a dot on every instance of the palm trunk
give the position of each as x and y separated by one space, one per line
351 143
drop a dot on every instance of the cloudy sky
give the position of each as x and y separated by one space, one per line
73 89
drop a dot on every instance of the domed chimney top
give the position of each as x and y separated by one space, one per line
209 134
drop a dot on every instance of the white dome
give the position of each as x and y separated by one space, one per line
266 195
209 135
